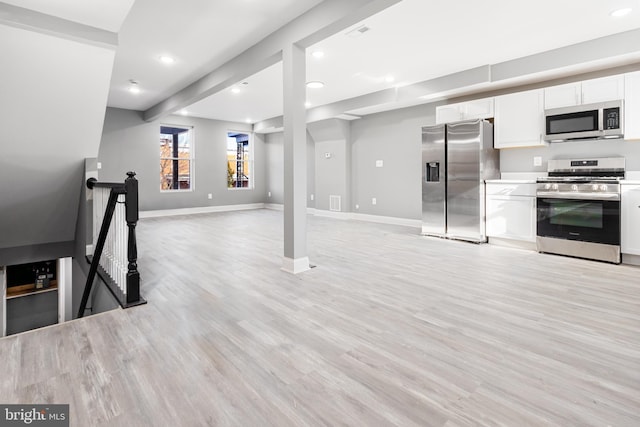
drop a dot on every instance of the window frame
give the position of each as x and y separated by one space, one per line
251 184
191 130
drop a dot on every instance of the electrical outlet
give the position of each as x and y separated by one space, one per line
209 196
99 165
357 206
373 201
312 197
537 161
269 194
379 163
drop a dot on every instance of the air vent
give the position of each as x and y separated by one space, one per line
357 32
334 203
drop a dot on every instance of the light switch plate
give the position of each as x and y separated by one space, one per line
379 163
373 201
537 161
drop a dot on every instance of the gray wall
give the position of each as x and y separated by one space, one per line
130 143
333 173
521 159
54 93
395 138
274 166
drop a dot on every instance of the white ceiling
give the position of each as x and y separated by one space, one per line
416 40
104 14
413 41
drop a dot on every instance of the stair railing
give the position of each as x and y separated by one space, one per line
115 256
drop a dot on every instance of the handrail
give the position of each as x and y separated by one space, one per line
131 294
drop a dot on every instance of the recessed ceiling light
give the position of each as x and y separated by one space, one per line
621 12
315 85
389 79
133 87
235 90
167 59
317 54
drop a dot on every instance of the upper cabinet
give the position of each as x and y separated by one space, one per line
586 92
476 109
519 119
632 106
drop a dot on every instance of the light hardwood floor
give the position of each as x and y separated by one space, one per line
391 328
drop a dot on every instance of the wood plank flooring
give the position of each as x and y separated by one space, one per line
391 329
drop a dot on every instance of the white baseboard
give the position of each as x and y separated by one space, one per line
333 214
631 259
200 210
514 244
274 206
295 266
416 223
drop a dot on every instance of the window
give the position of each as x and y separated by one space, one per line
176 158
239 160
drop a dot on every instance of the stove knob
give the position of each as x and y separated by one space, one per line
554 187
595 187
574 187
603 187
547 186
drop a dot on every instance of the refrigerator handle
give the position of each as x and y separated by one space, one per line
433 172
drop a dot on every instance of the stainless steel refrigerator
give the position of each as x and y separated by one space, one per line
457 158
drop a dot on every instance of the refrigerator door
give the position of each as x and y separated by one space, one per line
434 180
464 214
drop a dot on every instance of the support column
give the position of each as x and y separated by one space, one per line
295 160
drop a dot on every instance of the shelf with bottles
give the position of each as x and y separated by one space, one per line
31 278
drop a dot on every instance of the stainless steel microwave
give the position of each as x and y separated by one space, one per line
579 122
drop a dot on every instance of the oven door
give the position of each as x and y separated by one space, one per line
586 220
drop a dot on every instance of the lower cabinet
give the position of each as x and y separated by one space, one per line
511 211
630 219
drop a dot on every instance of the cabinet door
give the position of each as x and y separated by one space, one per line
478 109
519 119
448 113
562 96
603 89
632 106
630 216
511 217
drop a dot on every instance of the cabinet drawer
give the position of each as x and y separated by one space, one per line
523 189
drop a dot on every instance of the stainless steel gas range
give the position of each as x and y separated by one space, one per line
578 208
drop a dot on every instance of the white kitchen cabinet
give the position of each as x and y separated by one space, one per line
632 106
519 119
630 219
448 113
563 95
603 89
470 110
511 211
586 92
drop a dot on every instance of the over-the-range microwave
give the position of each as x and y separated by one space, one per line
590 121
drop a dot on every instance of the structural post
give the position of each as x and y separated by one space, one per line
295 160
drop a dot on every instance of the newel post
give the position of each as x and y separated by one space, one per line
131 208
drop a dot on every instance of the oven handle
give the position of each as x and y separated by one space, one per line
578 196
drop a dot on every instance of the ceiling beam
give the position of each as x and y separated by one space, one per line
325 19
26 19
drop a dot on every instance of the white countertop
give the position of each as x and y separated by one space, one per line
510 181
